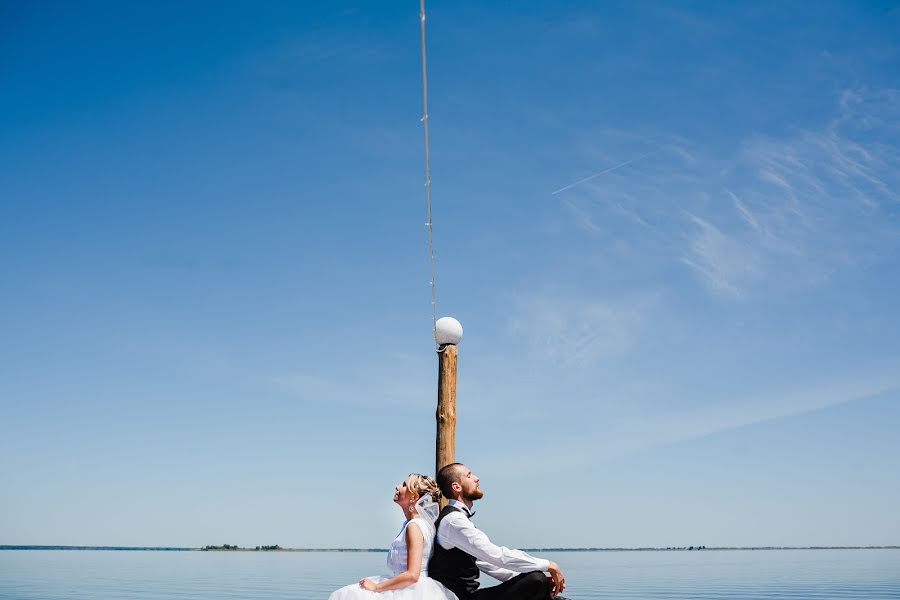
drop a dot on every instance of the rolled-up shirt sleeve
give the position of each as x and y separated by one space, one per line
499 562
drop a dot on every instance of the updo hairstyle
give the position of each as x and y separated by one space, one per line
420 485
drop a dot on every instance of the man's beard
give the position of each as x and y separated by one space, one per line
475 494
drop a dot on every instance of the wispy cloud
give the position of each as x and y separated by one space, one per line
623 436
569 329
582 217
391 388
745 212
723 261
778 213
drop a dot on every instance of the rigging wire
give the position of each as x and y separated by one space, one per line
427 169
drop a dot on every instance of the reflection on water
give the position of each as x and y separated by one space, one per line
770 574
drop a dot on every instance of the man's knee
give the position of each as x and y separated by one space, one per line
537 580
525 586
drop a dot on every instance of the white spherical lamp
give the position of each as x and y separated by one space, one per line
447 330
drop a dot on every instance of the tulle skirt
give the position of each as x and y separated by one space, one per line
425 588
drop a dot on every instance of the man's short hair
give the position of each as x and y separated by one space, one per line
447 476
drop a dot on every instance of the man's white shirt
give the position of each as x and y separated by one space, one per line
457 531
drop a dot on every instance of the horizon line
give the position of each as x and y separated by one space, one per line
536 549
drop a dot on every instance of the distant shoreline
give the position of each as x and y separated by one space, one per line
684 549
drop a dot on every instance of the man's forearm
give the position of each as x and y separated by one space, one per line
473 541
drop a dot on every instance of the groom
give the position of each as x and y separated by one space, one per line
461 550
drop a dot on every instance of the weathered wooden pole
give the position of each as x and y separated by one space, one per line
447 333
446 407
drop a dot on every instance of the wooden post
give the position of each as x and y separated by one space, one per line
446 407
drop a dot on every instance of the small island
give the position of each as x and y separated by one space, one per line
233 547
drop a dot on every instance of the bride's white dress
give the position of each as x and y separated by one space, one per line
425 588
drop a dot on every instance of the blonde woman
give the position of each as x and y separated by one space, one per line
408 556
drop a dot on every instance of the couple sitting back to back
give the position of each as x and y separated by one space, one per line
439 555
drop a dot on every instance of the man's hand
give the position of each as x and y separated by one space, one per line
557 579
368 584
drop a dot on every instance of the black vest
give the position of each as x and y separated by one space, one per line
454 568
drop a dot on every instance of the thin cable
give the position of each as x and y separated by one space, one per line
427 170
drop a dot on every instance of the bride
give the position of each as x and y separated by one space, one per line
408 555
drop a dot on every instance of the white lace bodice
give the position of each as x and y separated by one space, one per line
397 553
425 588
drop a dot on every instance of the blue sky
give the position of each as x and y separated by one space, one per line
215 324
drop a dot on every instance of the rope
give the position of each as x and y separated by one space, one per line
427 171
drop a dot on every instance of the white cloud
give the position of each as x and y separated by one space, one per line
745 212
390 388
722 260
657 427
779 213
570 329
582 218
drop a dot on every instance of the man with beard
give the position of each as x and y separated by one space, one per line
462 551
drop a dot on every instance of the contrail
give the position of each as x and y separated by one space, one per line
603 172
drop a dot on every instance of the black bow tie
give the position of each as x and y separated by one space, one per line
469 514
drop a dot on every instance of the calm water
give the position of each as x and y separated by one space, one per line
770 574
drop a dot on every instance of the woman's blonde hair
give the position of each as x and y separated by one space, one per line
420 485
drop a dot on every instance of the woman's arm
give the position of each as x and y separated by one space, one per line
415 541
